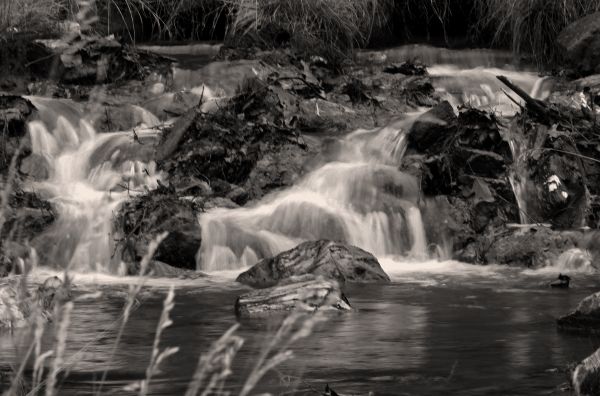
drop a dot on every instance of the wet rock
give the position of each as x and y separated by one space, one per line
15 111
144 217
586 376
297 293
585 318
562 282
17 305
581 42
531 247
333 260
406 68
36 167
432 127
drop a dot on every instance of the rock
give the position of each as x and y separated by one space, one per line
562 282
585 319
586 376
17 305
298 293
531 247
36 167
581 42
333 260
146 216
406 68
431 127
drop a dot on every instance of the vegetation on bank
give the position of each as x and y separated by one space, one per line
328 27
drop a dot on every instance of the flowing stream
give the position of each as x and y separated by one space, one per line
440 327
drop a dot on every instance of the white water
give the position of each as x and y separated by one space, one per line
89 178
359 196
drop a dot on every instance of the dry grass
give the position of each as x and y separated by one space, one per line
330 28
40 16
531 26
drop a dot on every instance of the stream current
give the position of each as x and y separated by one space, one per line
440 327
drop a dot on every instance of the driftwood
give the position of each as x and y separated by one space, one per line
536 106
303 293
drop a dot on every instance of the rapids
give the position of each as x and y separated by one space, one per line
358 195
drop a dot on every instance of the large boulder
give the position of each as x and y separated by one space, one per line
586 317
302 293
531 247
586 376
333 260
581 43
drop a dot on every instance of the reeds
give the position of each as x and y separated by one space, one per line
531 27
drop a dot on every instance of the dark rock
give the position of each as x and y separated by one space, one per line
298 293
581 42
432 127
586 376
531 247
562 282
332 260
406 68
144 217
586 317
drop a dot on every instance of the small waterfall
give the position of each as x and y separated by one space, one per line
361 198
90 175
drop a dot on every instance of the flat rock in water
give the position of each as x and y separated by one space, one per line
586 317
586 376
303 293
333 260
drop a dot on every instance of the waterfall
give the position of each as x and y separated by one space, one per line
90 176
360 197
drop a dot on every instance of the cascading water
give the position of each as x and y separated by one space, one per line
90 175
360 197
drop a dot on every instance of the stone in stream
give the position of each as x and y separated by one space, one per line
333 260
532 247
297 293
586 376
586 317
581 43
17 306
140 219
432 127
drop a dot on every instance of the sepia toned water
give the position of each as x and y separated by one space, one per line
449 328
440 327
